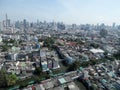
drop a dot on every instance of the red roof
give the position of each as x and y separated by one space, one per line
71 43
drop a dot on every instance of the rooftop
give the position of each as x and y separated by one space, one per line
96 50
62 80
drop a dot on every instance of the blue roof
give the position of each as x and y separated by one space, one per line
62 80
70 60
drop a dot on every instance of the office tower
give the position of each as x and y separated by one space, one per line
17 24
102 26
31 25
24 24
61 26
37 22
6 20
113 25
0 26
54 26
74 26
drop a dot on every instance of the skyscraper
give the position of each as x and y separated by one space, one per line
24 24
0 26
113 25
8 23
6 20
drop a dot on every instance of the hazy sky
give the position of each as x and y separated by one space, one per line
68 11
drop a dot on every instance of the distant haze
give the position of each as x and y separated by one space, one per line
68 11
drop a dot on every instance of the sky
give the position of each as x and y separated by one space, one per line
67 11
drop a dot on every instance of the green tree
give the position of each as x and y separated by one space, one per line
37 71
48 42
94 45
93 62
79 41
74 66
11 41
20 41
3 82
11 79
5 48
117 55
85 63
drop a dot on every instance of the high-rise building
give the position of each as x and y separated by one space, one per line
74 26
0 26
17 24
60 26
31 25
24 23
113 25
37 22
6 21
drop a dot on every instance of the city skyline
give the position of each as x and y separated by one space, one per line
79 12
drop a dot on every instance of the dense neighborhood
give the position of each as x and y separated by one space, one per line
56 56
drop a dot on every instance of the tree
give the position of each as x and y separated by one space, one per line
47 75
93 62
48 42
34 64
11 79
94 45
5 48
10 41
37 71
75 65
85 64
3 82
117 55
20 41
79 41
